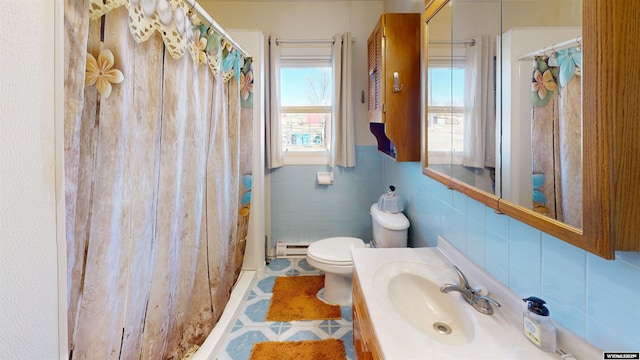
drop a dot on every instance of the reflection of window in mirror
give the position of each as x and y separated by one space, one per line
460 87
446 111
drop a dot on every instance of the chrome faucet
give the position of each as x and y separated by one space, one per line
463 288
481 303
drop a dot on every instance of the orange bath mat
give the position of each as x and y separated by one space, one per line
330 349
294 298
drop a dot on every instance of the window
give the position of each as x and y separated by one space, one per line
306 93
446 113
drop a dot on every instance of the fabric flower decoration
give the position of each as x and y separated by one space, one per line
233 61
199 46
227 45
213 42
538 183
102 73
568 59
543 82
245 211
246 84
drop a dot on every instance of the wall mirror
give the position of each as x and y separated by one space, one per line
539 71
460 92
503 111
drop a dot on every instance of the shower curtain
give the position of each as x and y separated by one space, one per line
557 136
158 142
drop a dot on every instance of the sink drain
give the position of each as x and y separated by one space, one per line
442 328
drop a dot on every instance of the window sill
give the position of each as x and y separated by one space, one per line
445 157
306 158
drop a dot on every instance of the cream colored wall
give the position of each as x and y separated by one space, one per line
538 13
31 193
402 6
320 20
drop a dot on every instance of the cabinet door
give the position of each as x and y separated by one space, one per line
365 343
376 77
359 342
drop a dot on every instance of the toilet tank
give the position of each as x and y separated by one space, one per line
389 230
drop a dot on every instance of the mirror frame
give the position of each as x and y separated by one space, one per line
598 229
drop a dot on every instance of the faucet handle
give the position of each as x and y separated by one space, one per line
463 279
483 304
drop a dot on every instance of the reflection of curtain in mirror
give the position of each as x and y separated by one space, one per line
479 113
557 136
571 150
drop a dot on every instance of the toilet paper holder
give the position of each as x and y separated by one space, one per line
324 178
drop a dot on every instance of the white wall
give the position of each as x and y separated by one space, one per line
304 20
252 41
30 148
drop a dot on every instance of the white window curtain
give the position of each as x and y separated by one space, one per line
273 129
342 147
343 139
479 115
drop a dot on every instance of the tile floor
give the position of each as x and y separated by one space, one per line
251 327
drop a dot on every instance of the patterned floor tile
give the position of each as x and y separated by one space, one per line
251 326
240 343
303 334
265 286
304 265
279 265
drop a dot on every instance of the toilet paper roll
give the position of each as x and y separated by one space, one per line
324 178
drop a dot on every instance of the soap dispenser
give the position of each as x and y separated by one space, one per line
537 324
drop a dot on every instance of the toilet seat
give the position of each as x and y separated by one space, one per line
334 251
333 257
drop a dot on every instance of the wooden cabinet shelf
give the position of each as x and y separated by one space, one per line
394 85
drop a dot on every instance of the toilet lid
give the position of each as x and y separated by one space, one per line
335 249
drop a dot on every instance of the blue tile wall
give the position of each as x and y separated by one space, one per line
302 210
595 298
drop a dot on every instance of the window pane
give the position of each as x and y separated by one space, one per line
305 131
305 100
446 131
446 109
446 86
305 86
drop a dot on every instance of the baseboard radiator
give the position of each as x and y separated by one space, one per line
292 250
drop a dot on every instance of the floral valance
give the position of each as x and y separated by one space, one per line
181 30
552 72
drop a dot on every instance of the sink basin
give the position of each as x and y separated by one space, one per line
412 319
409 292
412 290
419 302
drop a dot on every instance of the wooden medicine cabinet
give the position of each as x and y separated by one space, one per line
394 85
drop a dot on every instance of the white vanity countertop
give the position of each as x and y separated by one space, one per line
400 341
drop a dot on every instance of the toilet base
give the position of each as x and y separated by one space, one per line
337 289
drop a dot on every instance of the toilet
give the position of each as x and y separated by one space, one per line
333 255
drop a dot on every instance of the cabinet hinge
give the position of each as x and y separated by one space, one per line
384 31
384 108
